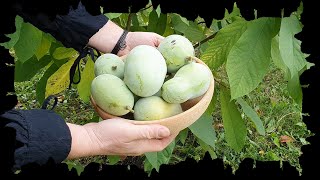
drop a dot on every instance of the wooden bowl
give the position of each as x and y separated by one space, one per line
193 109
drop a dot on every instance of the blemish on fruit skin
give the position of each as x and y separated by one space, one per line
140 82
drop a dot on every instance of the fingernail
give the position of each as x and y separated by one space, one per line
163 132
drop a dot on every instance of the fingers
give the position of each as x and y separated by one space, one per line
152 131
154 145
158 38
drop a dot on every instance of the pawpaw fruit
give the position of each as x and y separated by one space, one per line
177 51
109 64
112 95
154 108
190 81
145 70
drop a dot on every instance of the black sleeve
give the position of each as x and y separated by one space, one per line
40 135
73 29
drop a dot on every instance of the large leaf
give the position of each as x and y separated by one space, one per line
207 148
60 80
85 83
156 159
28 43
194 32
234 126
63 53
249 58
136 26
219 47
157 23
189 29
179 23
212 106
44 47
25 71
14 37
290 46
276 56
42 83
183 135
294 89
203 129
253 116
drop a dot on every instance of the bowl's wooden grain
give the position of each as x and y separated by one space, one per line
193 109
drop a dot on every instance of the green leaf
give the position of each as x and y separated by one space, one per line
249 58
136 26
60 80
294 89
41 85
63 53
169 30
183 135
157 23
275 54
84 86
193 32
25 71
234 126
112 15
113 159
44 46
179 23
235 12
219 47
207 148
212 106
28 43
14 37
72 164
156 159
203 129
289 46
253 116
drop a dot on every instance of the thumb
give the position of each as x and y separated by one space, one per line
152 131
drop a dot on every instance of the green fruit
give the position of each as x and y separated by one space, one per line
176 50
190 81
112 95
154 108
109 64
145 70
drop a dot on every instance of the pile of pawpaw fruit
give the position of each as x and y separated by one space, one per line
150 82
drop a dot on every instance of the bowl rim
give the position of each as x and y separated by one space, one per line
208 94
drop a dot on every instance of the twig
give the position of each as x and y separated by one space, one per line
205 40
146 7
129 19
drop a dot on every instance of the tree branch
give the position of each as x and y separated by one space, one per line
205 40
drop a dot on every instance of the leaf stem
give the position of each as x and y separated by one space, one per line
205 40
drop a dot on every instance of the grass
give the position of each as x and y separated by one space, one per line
282 118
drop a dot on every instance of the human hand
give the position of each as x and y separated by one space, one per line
106 38
118 137
134 39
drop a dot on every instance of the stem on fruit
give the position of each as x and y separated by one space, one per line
191 59
129 109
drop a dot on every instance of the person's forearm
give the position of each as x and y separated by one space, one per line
106 38
82 144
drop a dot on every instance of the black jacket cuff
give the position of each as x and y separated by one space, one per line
42 134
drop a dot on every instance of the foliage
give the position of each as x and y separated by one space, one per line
239 53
